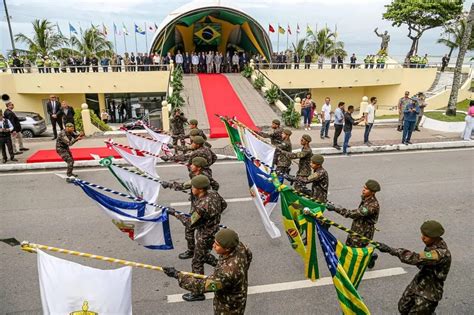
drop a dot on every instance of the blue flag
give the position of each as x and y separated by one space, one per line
149 229
72 29
139 30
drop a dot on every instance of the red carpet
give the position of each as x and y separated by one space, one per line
220 98
79 154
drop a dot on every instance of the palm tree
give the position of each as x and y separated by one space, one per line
92 42
453 34
45 40
299 48
325 43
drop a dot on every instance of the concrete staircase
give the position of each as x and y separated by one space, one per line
443 81
194 108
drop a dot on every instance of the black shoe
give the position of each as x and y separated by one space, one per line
322 137
14 160
24 149
336 147
408 142
192 297
405 143
417 129
19 152
372 261
348 146
74 175
54 138
4 161
186 255
327 137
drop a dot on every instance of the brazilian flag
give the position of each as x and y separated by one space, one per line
207 33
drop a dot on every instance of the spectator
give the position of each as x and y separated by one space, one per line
348 123
6 129
307 61
296 60
226 62
338 123
320 62
444 62
325 118
16 133
187 63
469 122
67 113
179 60
104 116
104 62
333 62
401 106
410 112
313 109
367 61
306 105
421 101
235 62
53 108
353 61
156 61
195 62
218 61
369 117
340 62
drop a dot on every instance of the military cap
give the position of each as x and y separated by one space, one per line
198 140
287 132
70 125
306 137
276 121
317 158
432 228
227 238
194 132
199 161
372 185
200 181
193 122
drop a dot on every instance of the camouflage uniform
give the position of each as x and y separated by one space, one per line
229 282
199 133
365 217
426 289
63 142
275 136
205 218
203 151
177 127
304 166
402 103
283 162
320 181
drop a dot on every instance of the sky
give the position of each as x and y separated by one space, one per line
355 20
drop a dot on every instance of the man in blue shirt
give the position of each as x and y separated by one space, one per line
338 123
410 113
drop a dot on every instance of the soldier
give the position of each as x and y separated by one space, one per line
177 126
319 179
276 135
205 218
193 123
66 138
283 164
425 290
304 156
229 281
365 217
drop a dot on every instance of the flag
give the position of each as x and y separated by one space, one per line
139 30
72 29
67 287
124 29
234 138
289 30
105 31
308 29
257 148
347 266
281 30
297 28
264 195
59 30
116 30
299 228
156 27
151 28
143 144
163 138
150 230
271 29
144 163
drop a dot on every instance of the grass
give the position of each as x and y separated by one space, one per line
442 117
463 106
387 116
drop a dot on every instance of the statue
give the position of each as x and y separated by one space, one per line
385 39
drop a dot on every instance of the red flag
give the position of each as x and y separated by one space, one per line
289 30
271 29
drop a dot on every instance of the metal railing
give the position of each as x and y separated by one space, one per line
86 68
281 92
348 65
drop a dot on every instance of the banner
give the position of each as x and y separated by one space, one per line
163 138
257 148
144 144
234 138
144 163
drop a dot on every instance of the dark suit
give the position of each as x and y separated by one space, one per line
67 116
55 110
11 116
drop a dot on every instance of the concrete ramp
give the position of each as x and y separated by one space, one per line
194 107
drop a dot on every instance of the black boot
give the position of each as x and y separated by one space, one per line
186 255
372 261
192 297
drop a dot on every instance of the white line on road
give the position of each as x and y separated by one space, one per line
187 203
302 284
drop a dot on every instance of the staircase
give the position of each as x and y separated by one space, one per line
443 81
194 108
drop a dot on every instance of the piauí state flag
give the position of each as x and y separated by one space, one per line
144 144
300 228
347 266
149 230
145 163
67 287
257 148
139 30
264 195
234 138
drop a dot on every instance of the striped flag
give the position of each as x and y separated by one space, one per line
234 138
271 29
289 29
347 266
281 30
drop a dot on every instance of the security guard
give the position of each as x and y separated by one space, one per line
319 179
425 290
229 281
304 156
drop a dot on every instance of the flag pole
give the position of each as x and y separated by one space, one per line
146 38
287 36
115 39
136 46
32 248
125 41
278 39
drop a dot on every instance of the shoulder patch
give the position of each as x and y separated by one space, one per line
195 217
212 285
364 211
430 255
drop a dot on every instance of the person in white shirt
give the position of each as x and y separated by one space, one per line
325 118
195 62
179 59
369 117
156 61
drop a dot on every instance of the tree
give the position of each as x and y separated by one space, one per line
45 40
421 16
324 43
299 48
453 34
453 98
92 42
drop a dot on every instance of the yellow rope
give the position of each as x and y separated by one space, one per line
31 247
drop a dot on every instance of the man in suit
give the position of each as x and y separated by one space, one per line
16 133
54 111
67 113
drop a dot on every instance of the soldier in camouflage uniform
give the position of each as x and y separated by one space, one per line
193 127
205 218
319 179
304 156
66 138
177 126
425 290
276 134
229 281
283 163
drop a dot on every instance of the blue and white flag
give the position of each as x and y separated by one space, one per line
139 30
264 194
147 229
72 29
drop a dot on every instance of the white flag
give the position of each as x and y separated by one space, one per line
144 163
68 287
259 149
158 136
144 144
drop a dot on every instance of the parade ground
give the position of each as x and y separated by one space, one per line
416 186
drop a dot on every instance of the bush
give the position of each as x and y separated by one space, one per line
96 121
259 82
291 117
176 100
272 94
177 84
247 72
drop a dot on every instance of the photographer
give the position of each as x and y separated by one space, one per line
177 126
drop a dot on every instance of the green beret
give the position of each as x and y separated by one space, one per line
372 185
193 122
227 238
198 140
306 137
432 229
70 125
194 132
287 132
276 121
200 181
199 161
317 158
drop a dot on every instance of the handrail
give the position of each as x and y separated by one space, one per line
279 89
86 68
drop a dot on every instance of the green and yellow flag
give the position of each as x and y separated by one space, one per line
281 30
207 33
234 137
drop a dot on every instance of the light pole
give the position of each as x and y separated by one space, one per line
9 25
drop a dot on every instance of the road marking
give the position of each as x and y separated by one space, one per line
230 200
302 284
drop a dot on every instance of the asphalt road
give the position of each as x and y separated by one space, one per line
416 186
